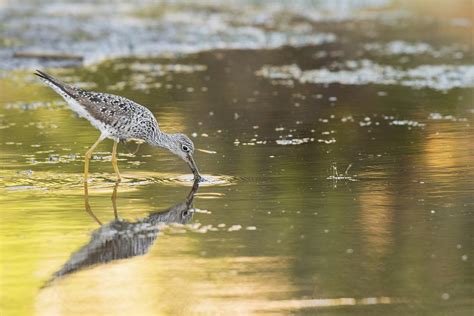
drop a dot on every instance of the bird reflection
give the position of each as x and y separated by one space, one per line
120 239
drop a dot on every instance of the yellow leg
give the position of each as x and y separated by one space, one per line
88 157
114 161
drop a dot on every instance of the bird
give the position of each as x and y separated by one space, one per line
120 119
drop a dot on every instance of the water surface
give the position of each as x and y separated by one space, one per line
327 190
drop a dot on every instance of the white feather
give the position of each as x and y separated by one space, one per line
79 109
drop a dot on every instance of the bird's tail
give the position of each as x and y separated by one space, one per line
60 87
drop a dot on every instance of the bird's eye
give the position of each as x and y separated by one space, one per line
185 148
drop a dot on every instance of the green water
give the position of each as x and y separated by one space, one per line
369 210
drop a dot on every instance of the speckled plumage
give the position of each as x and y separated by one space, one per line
120 119
116 117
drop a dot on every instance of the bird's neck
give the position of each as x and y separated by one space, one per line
161 139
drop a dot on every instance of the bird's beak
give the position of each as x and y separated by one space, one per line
193 167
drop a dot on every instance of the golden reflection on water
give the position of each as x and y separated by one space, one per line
160 284
446 149
173 286
376 212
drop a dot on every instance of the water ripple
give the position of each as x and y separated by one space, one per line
52 181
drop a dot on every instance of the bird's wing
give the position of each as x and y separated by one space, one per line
133 120
106 108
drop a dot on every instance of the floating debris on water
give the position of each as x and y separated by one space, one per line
416 48
438 116
280 72
206 151
234 228
177 228
438 77
407 123
196 210
159 70
294 141
347 119
327 141
147 29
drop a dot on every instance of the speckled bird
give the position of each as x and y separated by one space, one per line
120 119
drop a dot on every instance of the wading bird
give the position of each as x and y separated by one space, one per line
120 119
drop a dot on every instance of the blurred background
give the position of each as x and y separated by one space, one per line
339 167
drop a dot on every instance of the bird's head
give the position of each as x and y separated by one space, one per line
183 147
